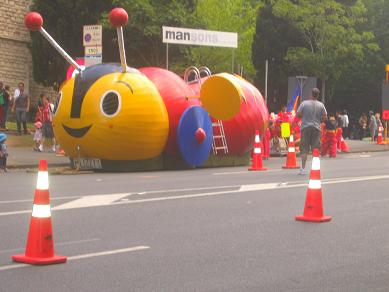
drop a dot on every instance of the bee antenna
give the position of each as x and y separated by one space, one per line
33 22
118 17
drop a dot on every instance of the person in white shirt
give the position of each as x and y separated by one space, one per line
346 122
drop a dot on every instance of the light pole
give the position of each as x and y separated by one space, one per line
266 73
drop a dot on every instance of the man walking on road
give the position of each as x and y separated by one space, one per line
312 112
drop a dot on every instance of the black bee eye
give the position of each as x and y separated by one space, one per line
57 102
110 103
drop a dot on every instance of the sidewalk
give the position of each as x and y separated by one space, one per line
26 157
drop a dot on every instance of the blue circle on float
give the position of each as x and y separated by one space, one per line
191 120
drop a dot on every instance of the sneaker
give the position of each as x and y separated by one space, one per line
302 171
53 149
40 148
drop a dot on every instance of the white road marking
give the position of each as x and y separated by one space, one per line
117 199
91 201
244 172
83 256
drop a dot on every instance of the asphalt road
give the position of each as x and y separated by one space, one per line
223 229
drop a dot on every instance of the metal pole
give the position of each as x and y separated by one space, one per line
122 51
233 61
266 73
167 56
59 49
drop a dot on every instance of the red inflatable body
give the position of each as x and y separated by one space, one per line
178 96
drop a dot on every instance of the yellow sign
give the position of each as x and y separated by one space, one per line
94 51
285 130
387 68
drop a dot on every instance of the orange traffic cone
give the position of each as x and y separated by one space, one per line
343 145
379 137
40 246
291 156
313 210
257 154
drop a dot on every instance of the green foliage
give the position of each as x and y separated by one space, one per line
230 16
143 32
332 41
274 36
64 20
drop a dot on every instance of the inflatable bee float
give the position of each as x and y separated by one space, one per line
121 116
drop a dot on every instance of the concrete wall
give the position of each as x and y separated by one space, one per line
15 57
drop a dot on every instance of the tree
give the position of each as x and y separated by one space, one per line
143 33
331 40
273 37
64 20
231 16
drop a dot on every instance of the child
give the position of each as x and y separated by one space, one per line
38 136
330 143
3 152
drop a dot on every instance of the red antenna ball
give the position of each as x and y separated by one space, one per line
118 17
33 21
200 135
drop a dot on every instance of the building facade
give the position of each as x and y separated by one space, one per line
15 56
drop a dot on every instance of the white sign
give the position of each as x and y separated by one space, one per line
94 51
92 60
92 35
199 37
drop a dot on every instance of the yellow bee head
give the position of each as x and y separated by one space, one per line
109 114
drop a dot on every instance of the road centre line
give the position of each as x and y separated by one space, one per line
243 188
30 200
57 244
114 199
84 256
243 172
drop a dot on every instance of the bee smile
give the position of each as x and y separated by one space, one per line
77 133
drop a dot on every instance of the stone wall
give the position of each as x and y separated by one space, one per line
15 57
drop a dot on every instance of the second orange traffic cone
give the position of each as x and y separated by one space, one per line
40 245
291 156
379 136
313 210
257 154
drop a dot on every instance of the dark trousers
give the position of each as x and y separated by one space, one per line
3 162
345 132
5 115
21 119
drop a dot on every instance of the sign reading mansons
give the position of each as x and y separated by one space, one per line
199 37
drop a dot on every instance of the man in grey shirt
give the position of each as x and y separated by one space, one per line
22 105
313 113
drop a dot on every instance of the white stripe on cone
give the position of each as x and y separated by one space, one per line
314 184
41 211
315 163
291 149
257 150
257 139
43 180
291 138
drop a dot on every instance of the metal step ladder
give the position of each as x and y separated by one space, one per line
218 135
